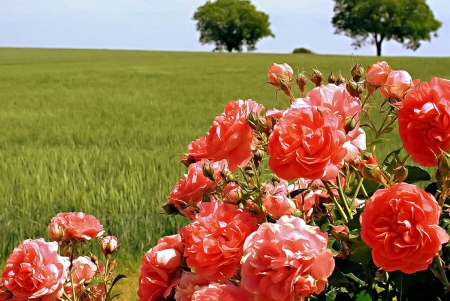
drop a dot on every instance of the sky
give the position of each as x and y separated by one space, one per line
168 25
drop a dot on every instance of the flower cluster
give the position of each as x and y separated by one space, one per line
279 202
59 270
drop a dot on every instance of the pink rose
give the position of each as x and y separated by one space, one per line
343 105
83 271
35 270
74 225
279 260
231 137
275 199
400 224
158 275
397 84
97 293
232 193
424 121
280 73
221 292
307 142
378 73
189 284
213 242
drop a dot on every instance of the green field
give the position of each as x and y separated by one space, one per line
102 131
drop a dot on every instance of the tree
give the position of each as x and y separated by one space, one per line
231 24
405 21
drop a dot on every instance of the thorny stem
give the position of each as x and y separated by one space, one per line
336 203
369 279
363 103
361 179
440 274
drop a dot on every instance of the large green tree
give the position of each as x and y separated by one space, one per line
405 21
231 24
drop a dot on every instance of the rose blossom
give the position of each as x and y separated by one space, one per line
344 105
307 142
158 270
35 270
397 84
197 149
278 73
109 245
232 193
188 192
189 283
75 225
275 199
424 121
83 271
221 292
400 224
378 73
288 260
213 242
97 293
231 137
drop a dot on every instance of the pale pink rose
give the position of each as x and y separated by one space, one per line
189 283
221 292
109 245
275 199
344 105
397 84
158 274
57 227
35 270
279 259
83 271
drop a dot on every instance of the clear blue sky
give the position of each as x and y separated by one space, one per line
168 25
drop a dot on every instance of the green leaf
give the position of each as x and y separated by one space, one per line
360 252
338 279
95 281
363 296
118 277
331 295
377 141
387 164
416 174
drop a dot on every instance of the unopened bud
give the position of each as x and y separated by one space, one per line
350 124
316 77
208 171
340 232
275 180
187 160
112 264
55 232
331 78
355 89
443 170
109 245
94 259
400 173
339 79
357 72
370 170
301 81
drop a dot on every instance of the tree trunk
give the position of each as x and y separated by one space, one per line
378 44
230 48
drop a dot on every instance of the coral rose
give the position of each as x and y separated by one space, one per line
213 242
400 224
197 149
344 105
158 274
221 292
288 260
74 225
83 271
378 73
57 227
397 84
35 270
231 137
188 192
424 121
275 199
307 142
280 73
189 284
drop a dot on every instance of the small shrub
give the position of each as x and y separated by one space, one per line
302 50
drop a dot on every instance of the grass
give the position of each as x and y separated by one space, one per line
102 132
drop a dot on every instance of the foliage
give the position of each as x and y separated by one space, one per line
406 21
302 50
231 24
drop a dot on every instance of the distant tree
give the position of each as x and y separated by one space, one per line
405 21
231 24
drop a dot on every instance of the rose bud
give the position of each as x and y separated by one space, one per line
109 245
377 74
339 80
400 173
301 81
331 78
316 77
357 72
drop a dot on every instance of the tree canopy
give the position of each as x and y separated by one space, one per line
231 24
405 21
